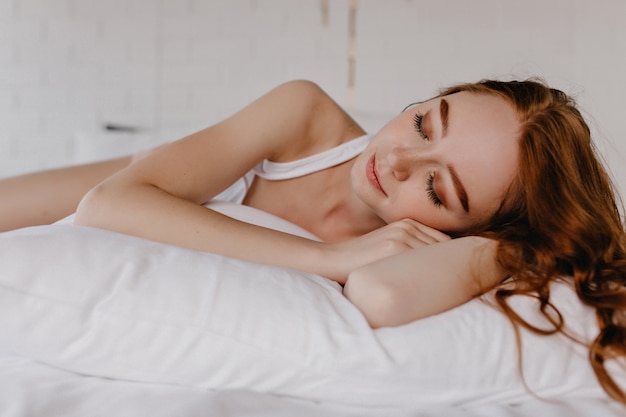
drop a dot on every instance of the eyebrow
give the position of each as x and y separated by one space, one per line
444 109
460 190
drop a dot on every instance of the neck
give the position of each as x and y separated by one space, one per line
345 215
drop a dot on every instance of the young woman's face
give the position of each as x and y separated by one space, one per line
447 162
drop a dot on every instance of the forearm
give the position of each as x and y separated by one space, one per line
425 281
47 196
151 213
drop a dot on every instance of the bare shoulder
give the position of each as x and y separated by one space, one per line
302 88
292 120
324 123
309 94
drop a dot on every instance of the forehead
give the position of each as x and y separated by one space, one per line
481 119
495 109
483 132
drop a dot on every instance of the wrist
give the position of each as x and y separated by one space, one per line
327 261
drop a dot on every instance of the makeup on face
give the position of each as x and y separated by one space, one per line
444 162
372 176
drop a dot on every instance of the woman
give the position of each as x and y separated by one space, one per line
506 168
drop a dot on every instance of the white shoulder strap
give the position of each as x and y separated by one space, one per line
286 170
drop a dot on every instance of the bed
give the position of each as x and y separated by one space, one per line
98 323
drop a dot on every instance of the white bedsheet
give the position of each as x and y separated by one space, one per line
97 323
32 389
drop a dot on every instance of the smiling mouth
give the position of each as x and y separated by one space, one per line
371 174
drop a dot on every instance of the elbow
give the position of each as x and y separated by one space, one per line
94 207
375 299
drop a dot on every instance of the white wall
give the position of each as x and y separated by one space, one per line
67 67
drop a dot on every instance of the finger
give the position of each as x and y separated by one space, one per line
436 234
430 234
408 233
422 239
412 237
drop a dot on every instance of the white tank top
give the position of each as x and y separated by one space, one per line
275 171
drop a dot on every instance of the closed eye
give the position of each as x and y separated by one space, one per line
430 189
418 121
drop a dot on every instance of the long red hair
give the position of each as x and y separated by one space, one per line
561 218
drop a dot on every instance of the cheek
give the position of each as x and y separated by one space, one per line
410 204
357 172
388 133
416 206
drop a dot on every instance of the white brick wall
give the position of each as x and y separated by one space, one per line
172 66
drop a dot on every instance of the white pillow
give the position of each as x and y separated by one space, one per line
116 306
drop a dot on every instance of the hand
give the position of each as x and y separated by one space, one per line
392 239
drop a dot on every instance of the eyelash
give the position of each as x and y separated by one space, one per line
432 195
418 120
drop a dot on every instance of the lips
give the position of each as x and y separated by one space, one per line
372 177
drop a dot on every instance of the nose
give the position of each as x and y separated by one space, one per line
403 161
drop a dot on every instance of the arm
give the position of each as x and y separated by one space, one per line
424 281
45 197
160 197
